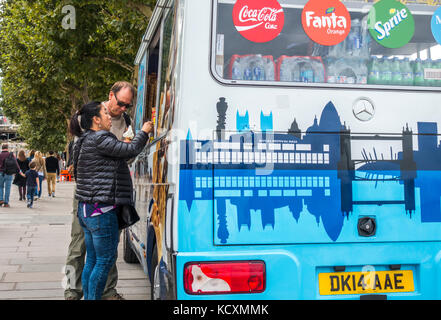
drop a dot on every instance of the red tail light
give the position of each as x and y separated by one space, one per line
224 277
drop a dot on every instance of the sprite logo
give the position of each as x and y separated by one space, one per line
391 24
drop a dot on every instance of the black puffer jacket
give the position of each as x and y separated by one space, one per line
100 167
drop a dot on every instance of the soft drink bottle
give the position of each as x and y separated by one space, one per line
397 77
385 72
406 72
374 72
418 73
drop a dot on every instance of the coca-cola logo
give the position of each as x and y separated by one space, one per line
258 20
326 22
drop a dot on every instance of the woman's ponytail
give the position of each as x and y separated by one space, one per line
82 120
74 125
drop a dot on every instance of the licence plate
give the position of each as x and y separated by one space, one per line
366 282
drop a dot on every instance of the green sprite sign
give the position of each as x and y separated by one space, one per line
391 24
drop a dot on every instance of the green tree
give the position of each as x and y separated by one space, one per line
49 71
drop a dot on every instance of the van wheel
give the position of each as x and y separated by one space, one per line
129 254
155 286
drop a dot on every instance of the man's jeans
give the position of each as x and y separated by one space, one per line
5 186
101 236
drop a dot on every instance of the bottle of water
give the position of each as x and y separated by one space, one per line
236 72
247 73
418 73
307 72
428 65
331 71
296 69
438 68
374 72
362 71
285 70
365 39
269 69
397 77
407 72
385 72
354 39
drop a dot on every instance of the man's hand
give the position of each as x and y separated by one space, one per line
147 127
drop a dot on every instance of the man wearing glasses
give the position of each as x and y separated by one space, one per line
120 100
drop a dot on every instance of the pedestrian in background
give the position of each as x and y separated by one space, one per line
52 169
31 156
8 167
103 184
32 183
20 180
41 169
60 166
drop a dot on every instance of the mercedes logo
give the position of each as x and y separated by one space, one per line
363 109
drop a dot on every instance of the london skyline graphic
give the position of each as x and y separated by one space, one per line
271 182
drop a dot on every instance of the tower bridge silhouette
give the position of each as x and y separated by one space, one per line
264 171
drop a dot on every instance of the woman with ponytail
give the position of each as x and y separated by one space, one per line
103 183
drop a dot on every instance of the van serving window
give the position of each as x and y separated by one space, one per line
292 58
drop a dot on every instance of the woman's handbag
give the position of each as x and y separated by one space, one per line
127 216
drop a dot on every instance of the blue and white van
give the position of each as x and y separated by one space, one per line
287 169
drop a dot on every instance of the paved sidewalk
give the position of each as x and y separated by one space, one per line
33 248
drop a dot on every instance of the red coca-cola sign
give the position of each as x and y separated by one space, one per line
258 20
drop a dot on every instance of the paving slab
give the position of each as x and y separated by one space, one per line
33 249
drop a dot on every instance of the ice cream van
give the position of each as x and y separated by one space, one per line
296 152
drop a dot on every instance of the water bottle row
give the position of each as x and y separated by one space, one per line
300 69
257 67
347 70
252 67
342 70
403 72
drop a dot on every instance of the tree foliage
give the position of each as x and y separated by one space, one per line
48 71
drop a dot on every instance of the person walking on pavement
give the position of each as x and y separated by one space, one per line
32 183
31 155
53 170
19 179
124 93
103 184
8 167
41 169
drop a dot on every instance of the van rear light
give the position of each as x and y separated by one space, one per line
224 277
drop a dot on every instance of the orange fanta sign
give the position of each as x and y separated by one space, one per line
326 22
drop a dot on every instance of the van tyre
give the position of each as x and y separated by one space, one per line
155 286
128 254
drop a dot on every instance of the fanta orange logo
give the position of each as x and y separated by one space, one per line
326 22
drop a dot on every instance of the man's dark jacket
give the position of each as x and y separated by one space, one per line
52 165
100 167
